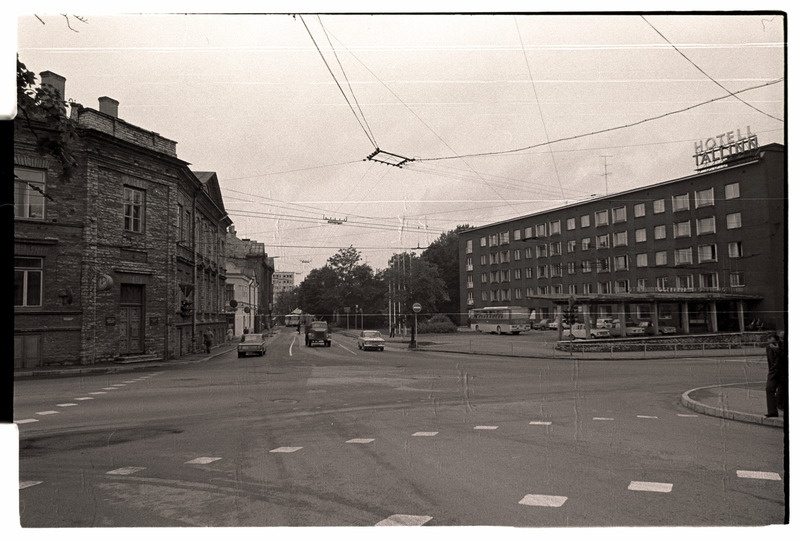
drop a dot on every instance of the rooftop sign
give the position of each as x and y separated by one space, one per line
715 150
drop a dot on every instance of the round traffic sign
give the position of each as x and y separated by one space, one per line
417 307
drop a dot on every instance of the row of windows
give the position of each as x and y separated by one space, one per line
686 282
680 202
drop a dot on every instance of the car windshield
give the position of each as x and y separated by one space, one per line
253 338
319 326
371 334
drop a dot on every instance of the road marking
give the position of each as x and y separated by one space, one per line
84 398
48 412
687 415
646 416
541 423
66 405
769 476
404 520
604 419
424 434
285 450
110 388
484 427
99 392
28 484
125 471
204 460
361 440
291 346
348 349
25 421
118 385
543 500
649 487
131 381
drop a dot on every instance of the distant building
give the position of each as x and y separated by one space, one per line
125 260
282 281
703 253
249 283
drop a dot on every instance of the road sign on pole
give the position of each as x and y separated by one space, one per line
417 307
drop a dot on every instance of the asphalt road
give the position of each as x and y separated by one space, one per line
341 437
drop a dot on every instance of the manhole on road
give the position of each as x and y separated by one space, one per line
284 401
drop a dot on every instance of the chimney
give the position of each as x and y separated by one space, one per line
55 81
109 106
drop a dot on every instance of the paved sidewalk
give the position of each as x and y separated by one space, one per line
737 401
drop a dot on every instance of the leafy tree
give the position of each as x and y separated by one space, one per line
316 294
413 279
443 253
285 303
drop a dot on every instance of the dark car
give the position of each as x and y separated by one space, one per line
542 325
317 332
252 344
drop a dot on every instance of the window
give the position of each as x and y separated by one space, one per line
494 295
620 238
517 234
29 190
484 295
682 229
685 281
704 198
587 289
541 250
493 240
736 279
572 289
528 272
683 256
639 210
505 275
27 281
603 264
554 227
619 215
187 226
543 290
601 217
662 282
517 255
585 265
680 202
705 225
585 220
469 281
494 257
542 271
554 248
494 277
661 258
641 285
732 191
557 289
133 207
734 220
571 246
641 260
706 253
504 256
603 287
517 274
483 259
620 262
735 249
528 252
541 230
640 235
468 243
483 242
470 298
571 267
504 237
484 278
182 228
586 244
530 291
518 293
660 232
622 286
709 280
603 241
528 232
659 206
571 223
555 270
469 265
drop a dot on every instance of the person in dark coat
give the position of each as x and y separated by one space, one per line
782 374
208 340
774 356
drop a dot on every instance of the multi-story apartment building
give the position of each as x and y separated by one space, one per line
703 253
125 259
282 282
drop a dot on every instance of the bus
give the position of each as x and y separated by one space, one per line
500 319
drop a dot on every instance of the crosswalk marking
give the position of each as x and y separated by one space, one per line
66 405
604 419
541 423
404 520
650 487
361 440
126 470
285 450
423 434
204 460
646 416
110 388
687 415
48 412
25 421
99 392
767 475
543 500
28 484
484 427
84 398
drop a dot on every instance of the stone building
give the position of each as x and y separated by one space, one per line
249 284
124 261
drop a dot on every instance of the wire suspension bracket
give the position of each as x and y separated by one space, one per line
388 158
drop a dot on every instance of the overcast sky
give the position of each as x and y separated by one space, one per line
252 97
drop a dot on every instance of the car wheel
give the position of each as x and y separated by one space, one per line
240 355
381 349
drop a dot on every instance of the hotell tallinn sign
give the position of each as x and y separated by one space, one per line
716 150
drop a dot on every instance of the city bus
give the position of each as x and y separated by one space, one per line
500 319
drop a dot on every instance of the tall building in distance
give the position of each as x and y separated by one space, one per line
282 282
703 253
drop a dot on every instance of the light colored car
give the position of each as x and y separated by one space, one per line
631 329
579 330
252 344
604 323
371 340
553 325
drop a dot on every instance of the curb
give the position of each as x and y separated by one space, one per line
724 413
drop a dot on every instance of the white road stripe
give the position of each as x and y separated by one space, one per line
99 392
28 484
604 419
84 398
110 388
292 346
118 385
285 450
767 475
687 415
646 416
48 412
484 427
131 381
66 405
405 520
541 423
361 440
424 434
25 421
543 500
649 487
204 460
125 471
348 349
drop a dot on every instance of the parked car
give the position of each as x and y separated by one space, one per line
252 344
316 332
371 340
604 323
663 327
579 330
632 329
542 325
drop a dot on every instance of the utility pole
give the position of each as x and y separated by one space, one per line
606 172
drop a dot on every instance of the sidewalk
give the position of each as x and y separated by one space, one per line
744 402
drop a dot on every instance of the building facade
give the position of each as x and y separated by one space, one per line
704 253
249 273
282 282
125 259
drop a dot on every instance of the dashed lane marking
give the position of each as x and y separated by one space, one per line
126 471
28 484
285 450
543 500
405 520
604 419
99 392
291 346
131 381
25 421
348 349
84 398
423 434
118 385
485 427
647 416
361 440
204 460
649 487
767 475
687 415
66 405
110 388
48 412
541 423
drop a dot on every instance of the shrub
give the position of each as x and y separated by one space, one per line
439 323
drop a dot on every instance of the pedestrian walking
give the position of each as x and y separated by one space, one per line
782 374
230 334
774 356
208 340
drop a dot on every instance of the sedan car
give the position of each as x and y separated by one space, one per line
579 330
631 329
540 325
252 344
371 340
663 328
553 325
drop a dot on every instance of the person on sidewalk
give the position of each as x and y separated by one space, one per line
782 374
774 355
230 334
208 340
